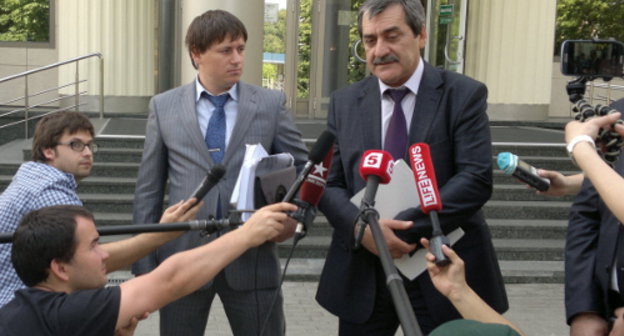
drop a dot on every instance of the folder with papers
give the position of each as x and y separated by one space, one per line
391 199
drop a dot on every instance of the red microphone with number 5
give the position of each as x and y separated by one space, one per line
376 168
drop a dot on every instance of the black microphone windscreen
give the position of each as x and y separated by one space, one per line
322 146
216 172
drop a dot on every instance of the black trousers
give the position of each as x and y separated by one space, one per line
384 320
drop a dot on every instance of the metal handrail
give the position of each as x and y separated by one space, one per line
76 83
37 94
593 94
49 66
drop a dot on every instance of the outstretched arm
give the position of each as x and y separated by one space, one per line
451 282
607 181
124 252
186 271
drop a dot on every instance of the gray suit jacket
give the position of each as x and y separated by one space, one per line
175 150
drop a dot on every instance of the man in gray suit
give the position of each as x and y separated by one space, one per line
190 129
438 107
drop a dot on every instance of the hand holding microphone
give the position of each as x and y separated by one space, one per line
213 177
267 223
510 164
430 202
376 168
184 211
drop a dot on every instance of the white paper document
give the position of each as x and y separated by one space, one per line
392 198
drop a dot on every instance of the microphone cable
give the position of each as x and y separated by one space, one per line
279 287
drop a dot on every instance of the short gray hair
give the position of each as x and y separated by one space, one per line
414 12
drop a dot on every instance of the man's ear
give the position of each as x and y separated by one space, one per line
58 269
195 55
422 37
49 153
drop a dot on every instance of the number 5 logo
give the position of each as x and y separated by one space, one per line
373 160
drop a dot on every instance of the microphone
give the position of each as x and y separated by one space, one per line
212 178
510 164
310 194
376 168
207 225
429 196
317 153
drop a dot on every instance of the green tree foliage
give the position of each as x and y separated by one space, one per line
357 69
269 71
305 42
586 19
275 34
24 20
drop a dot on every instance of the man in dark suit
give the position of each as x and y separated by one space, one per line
593 292
591 248
445 110
189 130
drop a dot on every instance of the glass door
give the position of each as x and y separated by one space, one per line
334 65
446 31
320 35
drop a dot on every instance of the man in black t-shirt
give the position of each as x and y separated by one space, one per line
56 253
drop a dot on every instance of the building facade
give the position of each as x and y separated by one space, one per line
507 44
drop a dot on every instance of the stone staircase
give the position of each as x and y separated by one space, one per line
528 229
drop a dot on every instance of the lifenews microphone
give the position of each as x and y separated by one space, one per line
317 153
430 202
510 164
213 177
375 168
310 194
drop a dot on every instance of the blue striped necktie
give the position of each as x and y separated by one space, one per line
215 133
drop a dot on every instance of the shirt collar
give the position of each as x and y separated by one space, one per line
199 88
413 83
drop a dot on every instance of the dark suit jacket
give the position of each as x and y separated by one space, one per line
175 150
591 246
449 116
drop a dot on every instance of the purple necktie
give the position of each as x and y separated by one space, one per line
396 135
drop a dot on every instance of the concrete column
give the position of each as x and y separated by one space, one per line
123 31
509 47
251 13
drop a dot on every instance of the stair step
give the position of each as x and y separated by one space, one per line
107 154
506 249
526 149
528 229
514 272
526 210
522 192
500 177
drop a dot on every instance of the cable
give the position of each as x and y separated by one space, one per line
277 291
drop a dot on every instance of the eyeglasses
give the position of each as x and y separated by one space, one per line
79 146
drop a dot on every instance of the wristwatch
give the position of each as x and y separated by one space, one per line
575 141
